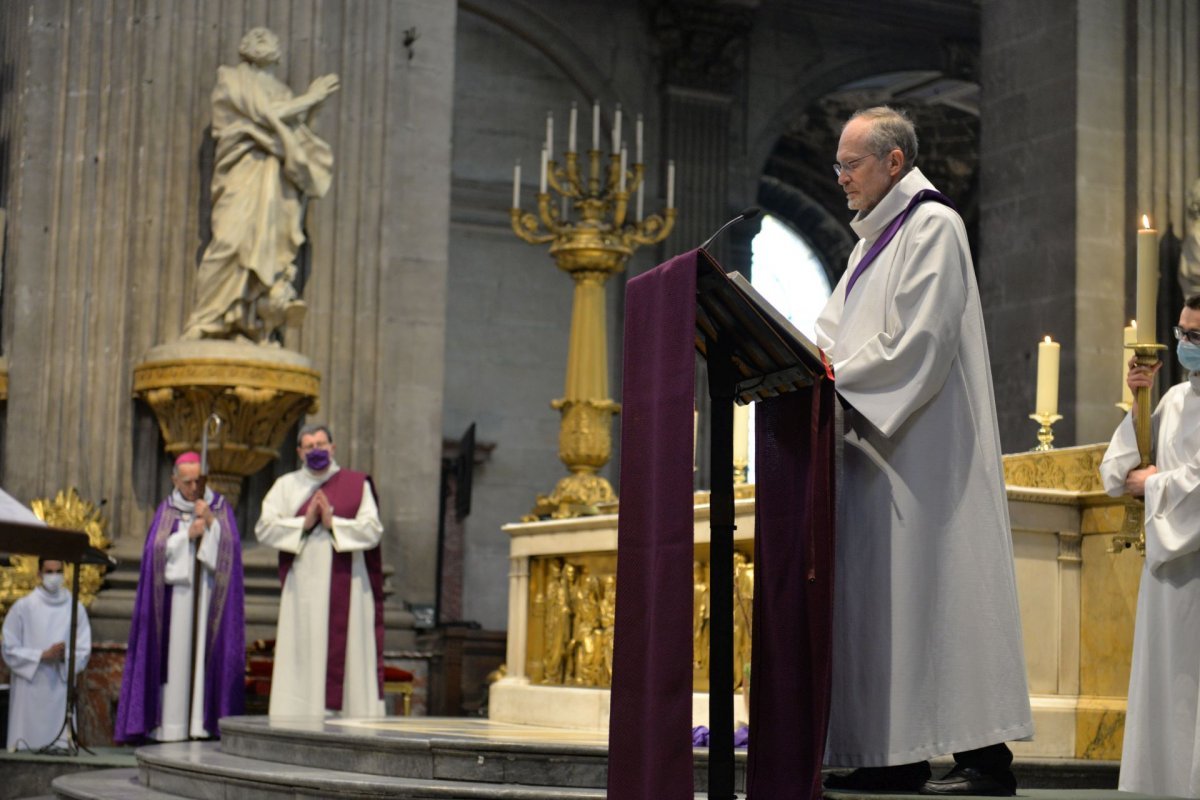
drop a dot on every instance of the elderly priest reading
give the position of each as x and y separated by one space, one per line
927 651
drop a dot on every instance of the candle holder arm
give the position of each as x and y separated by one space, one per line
651 230
525 226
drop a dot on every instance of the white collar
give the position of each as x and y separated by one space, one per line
870 225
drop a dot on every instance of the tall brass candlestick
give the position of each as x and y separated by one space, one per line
591 244
1133 528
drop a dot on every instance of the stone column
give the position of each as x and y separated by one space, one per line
704 53
518 618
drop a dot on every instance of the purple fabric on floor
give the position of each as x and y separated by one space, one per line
793 593
649 750
741 737
700 736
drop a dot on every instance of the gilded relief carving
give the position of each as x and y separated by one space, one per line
1075 469
572 615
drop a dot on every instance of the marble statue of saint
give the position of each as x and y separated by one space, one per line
268 163
1189 257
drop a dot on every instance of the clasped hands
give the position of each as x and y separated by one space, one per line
54 652
204 518
319 510
1140 377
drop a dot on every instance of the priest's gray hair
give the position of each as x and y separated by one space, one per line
312 429
892 130
260 46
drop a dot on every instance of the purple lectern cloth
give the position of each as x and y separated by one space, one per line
793 594
139 709
650 722
649 735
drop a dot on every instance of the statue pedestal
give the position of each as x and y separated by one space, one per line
258 392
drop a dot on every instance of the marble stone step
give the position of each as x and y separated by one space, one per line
198 771
439 749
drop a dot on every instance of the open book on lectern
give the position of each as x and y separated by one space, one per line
771 355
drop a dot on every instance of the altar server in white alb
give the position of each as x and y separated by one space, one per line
324 520
928 656
36 632
1162 723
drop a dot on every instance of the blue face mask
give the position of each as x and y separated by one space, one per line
1189 356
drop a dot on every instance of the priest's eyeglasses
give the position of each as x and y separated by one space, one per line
848 166
1184 333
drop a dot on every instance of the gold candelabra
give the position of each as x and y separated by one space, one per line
1133 528
591 236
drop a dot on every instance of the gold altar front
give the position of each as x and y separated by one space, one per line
1077 609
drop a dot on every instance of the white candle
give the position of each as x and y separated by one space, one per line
641 205
1129 338
596 125
517 184
542 179
572 124
638 140
1147 282
621 176
670 184
1047 377
741 434
616 136
549 134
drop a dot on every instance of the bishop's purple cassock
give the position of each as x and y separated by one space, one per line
140 708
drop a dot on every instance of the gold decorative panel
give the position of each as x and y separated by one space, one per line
572 605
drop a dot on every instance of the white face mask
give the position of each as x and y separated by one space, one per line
52 581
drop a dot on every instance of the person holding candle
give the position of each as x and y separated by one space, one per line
927 649
1162 722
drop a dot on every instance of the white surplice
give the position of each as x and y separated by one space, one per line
181 558
37 703
1162 724
928 657
302 638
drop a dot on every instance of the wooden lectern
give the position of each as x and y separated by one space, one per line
685 305
753 353
70 547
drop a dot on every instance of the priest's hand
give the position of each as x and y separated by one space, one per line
54 652
326 509
1135 481
1141 377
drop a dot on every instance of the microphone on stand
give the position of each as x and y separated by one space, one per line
747 214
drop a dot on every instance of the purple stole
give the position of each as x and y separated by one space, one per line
892 229
650 724
345 490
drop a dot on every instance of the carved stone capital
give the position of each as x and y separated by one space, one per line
1075 469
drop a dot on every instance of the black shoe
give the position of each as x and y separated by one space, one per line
901 778
969 781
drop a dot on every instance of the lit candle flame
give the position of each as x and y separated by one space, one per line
1145 222
1048 339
